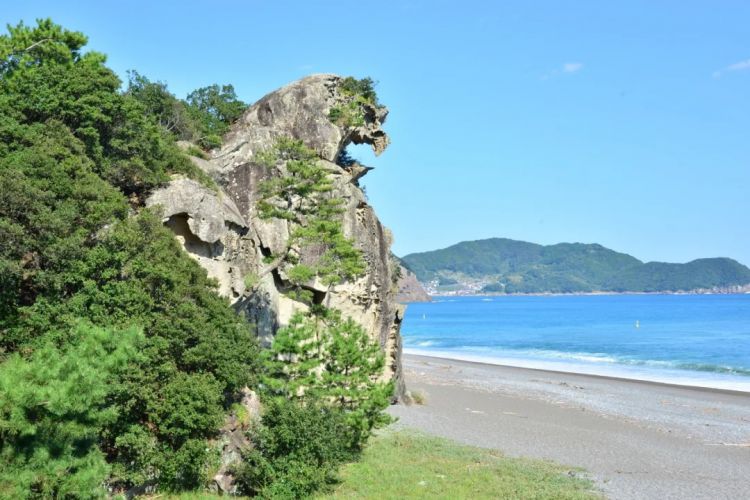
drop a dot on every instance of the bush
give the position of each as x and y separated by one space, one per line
298 449
356 95
203 118
186 468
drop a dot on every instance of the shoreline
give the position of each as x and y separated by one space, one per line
741 385
637 439
579 294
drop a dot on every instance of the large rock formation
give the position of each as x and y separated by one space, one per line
223 231
409 288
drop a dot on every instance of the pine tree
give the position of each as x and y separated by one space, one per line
326 359
353 366
53 407
303 195
293 360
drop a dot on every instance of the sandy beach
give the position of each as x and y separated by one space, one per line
635 439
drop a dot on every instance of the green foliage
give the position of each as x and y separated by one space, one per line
302 195
349 114
297 450
243 416
50 79
203 118
292 363
47 43
214 108
699 273
197 152
363 88
158 102
520 267
51 207
351 368
196 353
53 406
317 359
251 280
357 96
71 149
322 357
190 406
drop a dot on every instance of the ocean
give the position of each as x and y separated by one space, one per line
699 340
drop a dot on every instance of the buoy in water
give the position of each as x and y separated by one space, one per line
637 324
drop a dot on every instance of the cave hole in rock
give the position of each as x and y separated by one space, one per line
318 297
178 223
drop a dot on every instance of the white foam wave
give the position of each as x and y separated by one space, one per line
577 363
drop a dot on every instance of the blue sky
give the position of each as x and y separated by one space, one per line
625 124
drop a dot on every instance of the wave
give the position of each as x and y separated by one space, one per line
421 343
425 343
596 358
693 367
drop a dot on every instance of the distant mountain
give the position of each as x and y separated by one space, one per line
509 266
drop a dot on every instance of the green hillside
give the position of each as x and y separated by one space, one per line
510 266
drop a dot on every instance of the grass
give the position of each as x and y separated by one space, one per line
187 496
402 464
193 150
419 398
408 465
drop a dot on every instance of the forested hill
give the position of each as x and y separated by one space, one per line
510 266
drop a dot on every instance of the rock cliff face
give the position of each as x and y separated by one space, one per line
409 288
222 230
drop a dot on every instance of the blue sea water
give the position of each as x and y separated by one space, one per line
701 340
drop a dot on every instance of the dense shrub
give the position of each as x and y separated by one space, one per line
298 449
214 108
357 96
45 76
76 156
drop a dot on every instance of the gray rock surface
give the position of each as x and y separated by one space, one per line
233 441
409 288
223 232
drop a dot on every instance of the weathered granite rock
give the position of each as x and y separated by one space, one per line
210 228
208 213
233 440
224 233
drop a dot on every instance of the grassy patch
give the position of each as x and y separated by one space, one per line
401 464
409 465
186 496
